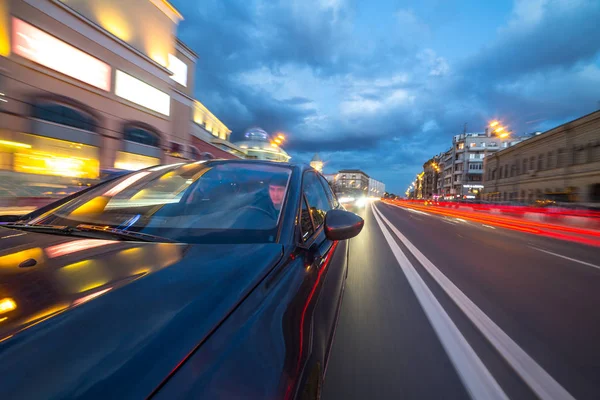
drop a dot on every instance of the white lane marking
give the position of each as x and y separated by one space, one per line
416 211
531 372
489 226
412 210
567 258
478 381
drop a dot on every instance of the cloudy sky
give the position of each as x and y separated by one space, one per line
382 85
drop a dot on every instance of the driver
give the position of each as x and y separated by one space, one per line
277 191
273 202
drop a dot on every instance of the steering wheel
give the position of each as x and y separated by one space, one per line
254 209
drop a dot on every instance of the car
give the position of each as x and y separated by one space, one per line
213 279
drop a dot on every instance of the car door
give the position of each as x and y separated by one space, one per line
329 259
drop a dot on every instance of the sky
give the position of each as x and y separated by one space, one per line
383 85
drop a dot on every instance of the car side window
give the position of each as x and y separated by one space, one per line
330 195
306 224
318 202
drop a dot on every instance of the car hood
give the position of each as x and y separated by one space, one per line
111 319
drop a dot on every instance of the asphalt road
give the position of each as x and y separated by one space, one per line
448 309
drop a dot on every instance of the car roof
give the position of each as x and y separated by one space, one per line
300 166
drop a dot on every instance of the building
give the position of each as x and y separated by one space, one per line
93 84
210 137
258 146
352 183
376 188
461 166
431 178
317 163
562 164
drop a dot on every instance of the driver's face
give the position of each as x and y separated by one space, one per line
276 193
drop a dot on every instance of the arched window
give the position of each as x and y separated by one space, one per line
141 134
65 114
196 155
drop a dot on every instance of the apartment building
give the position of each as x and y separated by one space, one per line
562 164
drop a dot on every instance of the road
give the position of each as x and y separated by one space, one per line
449 309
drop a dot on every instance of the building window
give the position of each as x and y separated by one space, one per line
524 166
580 155
482 144
550 160
506 170
195 153
142 135
472 144
493 144
540 163
461 146
500 173
517 168
560 158
532 163
64 114
175 149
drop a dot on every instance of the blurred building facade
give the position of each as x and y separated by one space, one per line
431 177
90 85
562 164
317 163
257 145
376 188
352 183
461 166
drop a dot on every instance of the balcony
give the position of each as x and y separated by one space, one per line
459 160
458 172
475 171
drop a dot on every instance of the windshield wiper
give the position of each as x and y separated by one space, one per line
123 234
90 231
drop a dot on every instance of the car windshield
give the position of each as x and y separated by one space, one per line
202 202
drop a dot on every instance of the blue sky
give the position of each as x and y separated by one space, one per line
384 85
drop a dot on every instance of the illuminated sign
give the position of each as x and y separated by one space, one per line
179 70
38 46
473 186
138 92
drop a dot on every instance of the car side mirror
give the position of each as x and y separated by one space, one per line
342 225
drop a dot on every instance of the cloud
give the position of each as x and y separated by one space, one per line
542 35
386 103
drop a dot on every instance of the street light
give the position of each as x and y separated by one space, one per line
494 123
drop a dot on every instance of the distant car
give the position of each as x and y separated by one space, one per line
216 279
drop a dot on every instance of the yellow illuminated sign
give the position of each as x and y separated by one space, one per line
4 32
133 162
7 305
51 164
8 143
45 156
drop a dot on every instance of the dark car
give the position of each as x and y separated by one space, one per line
216 279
